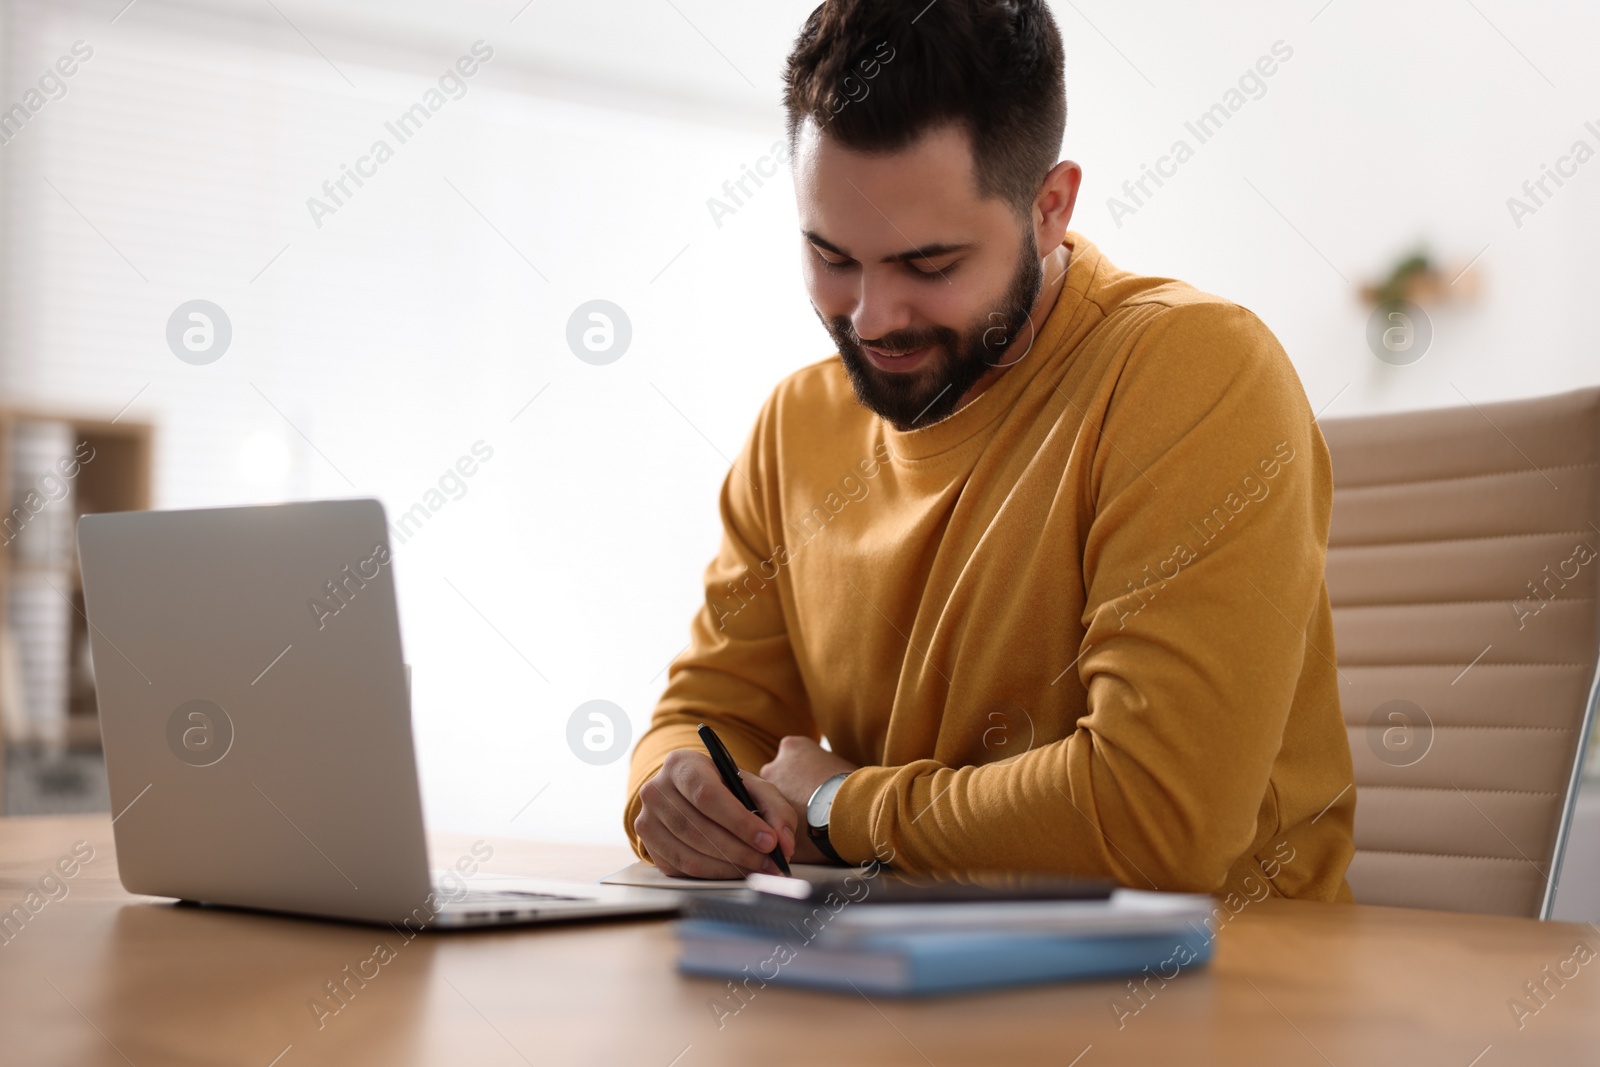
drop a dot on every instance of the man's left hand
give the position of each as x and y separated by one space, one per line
800 766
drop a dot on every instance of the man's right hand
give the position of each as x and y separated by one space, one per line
694 827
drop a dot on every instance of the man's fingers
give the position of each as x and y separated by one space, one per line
678 860
674 855
666 827
776 810
700 834
704 830
697 780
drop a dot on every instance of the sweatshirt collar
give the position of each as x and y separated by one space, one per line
993 403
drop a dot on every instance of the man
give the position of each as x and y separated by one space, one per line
1040 553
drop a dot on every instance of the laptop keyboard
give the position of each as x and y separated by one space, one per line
506 896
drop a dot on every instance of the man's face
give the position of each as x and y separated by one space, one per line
922 284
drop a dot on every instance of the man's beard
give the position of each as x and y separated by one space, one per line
912 399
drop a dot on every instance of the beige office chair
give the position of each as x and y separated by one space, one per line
1463 566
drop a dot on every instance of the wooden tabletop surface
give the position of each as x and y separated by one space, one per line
95 976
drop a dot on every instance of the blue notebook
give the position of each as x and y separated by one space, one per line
933 962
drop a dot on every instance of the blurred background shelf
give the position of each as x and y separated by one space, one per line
55 467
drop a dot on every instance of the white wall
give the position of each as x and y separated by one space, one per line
406 328
1389 125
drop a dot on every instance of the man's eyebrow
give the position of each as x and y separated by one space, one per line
924 252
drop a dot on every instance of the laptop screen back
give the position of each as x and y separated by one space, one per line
253 707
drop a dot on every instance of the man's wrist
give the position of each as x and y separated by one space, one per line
819 815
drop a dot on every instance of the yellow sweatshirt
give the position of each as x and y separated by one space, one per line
1080 626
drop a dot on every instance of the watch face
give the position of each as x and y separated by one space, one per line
817 810
822 802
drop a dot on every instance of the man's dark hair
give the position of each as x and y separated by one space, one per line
877 74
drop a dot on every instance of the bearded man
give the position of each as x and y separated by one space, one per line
1038 552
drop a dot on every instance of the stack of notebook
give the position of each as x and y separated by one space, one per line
879 938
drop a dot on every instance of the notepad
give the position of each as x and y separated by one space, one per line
649 875
1126 912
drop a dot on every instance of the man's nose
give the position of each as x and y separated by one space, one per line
879 312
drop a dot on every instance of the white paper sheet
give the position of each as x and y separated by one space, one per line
648 874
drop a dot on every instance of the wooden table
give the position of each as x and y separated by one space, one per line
102 977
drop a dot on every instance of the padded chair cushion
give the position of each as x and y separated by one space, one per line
1463 568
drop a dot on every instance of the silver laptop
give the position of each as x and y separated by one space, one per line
256 719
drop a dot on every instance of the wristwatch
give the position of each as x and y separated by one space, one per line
818 809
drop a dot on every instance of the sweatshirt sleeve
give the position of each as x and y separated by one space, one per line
1193 648
739 673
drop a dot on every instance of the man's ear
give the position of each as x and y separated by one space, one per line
1052 208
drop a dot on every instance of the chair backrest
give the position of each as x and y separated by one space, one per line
1463 567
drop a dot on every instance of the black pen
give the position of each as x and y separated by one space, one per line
730 778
